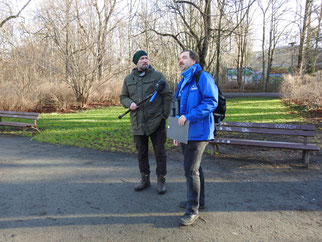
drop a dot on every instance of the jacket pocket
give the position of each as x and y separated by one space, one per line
132 87
197 130
148 86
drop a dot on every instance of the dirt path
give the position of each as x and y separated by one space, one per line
59 193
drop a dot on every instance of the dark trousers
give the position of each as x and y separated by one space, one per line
195 180
158 139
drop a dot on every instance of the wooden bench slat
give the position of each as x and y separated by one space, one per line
266 131
268 144
16 124
18 116
307 127
19 113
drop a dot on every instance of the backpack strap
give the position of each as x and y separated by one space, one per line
197 77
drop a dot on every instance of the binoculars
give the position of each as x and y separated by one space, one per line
175 108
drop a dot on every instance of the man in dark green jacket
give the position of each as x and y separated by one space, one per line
148 119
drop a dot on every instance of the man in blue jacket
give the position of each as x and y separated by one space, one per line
197 102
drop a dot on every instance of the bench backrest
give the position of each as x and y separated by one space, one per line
267 128
25 115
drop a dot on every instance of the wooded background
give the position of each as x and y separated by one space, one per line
56 54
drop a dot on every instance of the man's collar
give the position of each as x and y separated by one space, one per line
191 70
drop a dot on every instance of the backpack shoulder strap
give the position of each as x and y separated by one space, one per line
197 76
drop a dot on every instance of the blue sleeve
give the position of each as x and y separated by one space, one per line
209 98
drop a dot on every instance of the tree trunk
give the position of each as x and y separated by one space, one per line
263 80
203 46
317 40
302 37
218 44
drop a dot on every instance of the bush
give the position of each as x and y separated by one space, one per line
304 90
53 97
107 94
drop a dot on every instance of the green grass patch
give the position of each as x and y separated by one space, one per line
101 129
260 110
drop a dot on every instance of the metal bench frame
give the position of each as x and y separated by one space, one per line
306 131
21 115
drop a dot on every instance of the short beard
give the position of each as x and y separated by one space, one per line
144 68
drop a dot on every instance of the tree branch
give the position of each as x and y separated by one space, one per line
192 4
14 16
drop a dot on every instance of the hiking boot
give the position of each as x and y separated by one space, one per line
189 218
183 204
143 183
161 188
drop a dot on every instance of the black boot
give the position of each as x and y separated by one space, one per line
144 182
161 188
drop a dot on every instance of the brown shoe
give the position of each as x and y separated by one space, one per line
161 188
143 183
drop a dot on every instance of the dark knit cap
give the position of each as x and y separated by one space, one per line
138 55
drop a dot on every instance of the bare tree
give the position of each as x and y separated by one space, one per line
264 10
273 12
276 31
221 9
81 38
242 18
104 16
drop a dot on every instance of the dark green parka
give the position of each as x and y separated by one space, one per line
146 119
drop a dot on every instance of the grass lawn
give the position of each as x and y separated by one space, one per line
101 129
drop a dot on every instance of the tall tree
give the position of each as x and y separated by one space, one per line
81 38
264 10
273 12
242 17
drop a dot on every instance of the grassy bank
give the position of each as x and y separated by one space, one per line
101 129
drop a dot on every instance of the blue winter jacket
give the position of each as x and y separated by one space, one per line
197 102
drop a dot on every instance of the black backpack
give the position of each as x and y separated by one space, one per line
219 113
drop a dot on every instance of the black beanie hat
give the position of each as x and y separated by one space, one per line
138 55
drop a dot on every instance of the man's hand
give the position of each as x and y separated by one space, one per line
176 143
182 120
133 106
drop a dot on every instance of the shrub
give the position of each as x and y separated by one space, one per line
54 97
305 90
51 97
106 94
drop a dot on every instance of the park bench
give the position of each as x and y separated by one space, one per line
282 131
20 115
